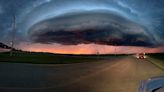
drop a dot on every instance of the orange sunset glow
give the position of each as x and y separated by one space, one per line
86 49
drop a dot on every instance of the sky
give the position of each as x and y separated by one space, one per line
84 26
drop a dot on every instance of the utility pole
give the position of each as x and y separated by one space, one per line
13 35
115 49
96 51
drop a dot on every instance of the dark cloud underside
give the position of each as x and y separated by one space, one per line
91 27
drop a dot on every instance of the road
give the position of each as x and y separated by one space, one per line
121 74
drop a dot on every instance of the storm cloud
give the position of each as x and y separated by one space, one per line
99 27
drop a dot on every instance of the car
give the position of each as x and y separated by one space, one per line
141 56
154 84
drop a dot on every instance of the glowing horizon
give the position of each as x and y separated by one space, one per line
87 49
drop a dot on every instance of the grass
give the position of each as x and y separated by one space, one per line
157 59
159 56
48 58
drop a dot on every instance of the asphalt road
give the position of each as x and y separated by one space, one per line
121 74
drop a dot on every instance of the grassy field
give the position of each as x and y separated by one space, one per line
48 58
157 56
157 59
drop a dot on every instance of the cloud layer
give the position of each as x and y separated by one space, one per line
99 27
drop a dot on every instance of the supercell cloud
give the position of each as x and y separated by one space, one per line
77 26
87 27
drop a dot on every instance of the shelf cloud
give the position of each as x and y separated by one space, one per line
87 27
